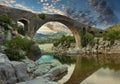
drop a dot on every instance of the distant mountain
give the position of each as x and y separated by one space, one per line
49 38
49 34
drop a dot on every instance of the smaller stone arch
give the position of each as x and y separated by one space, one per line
25 22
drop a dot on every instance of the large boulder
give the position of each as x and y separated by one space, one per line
20 71
42 69
44 65
30 65
36 52
7 72
56 73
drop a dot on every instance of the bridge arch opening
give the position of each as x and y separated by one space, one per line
61 26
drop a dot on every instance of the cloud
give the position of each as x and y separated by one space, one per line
50 8
12 3
7 2
104 13
43 0
53 1
20 6
54 27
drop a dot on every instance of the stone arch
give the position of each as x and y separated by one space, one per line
71 27
25 22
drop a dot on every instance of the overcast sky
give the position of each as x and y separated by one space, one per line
101 13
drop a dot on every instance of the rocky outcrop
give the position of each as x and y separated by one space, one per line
7 72
103 46
39 80
36 53
12 72
20 71
5 35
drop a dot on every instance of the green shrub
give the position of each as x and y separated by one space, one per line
18 28
86 39
18 48
112 35
64 41
42 16
5 19
21 30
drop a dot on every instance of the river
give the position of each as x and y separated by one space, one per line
86 69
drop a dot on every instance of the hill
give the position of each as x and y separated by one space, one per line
49 38
114 27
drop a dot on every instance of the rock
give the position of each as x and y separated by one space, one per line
2 37
2 48
30 65
42 69
8 35
4 58
14 71
36 53
20 71
39 80
7 72
73 51
56 73
45 66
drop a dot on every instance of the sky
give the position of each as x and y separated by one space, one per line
99 13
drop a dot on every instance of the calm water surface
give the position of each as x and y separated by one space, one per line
82 69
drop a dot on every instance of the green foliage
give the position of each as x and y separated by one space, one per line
21 30
42 16
112 34
50 38
64 41
87 38
5 19
6 22
18 48
18 28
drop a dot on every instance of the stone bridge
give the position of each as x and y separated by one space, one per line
32 22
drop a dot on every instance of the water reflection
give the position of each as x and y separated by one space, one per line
96 70
103 76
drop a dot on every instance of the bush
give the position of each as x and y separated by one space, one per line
18 28
42 16
5 19
86 39
113 35
18 48
64 41
21 30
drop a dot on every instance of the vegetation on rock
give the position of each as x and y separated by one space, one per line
65 41
42 16
5 19
87 39
112 34
18 48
